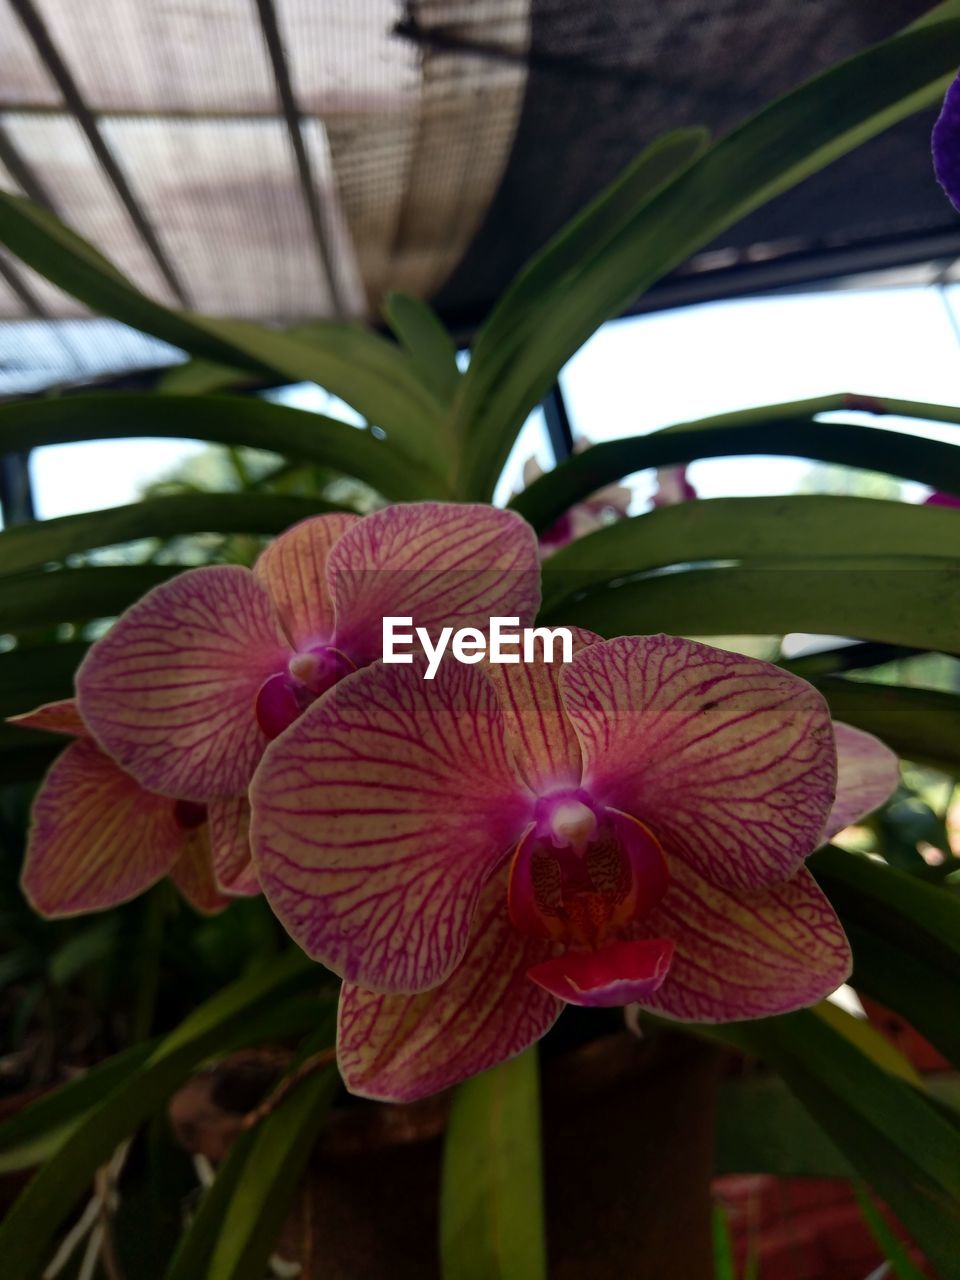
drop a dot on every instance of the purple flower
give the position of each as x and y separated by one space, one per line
946 145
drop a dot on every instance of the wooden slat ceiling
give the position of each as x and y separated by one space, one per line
287 159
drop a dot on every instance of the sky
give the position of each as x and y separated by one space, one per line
640 374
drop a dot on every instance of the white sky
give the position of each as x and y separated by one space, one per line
637 375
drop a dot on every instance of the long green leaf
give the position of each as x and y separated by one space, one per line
762 1128
238 420
244 1009
196 1246
920 724
30 546
491 1205
747 529
908 601
928 461
33 600
785 143
430 347
32 1134
893 1135
905 936
360 367
264 1190
548 275
893 1248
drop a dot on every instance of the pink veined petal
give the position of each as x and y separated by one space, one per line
443 564
730 761
544 743
745 955
294 571
97 838
192 873
379 816
399 1048
621 973
170 690
54 717
229 827
868 773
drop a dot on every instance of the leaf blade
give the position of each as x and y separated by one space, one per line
491 1206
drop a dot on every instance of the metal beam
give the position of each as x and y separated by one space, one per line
293 117
87 120
558 423
23 173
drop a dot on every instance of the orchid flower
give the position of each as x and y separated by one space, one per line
673 487
191 682
472 854
946 145
98 838
603 507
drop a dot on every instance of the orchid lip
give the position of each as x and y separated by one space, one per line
284 696
583 872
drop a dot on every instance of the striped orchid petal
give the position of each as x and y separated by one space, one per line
379 816
745 955
401 1047
53 717
868 773
233 870
170 691
97 838
946 145
294 571
193 875
443 564
544 743
730 761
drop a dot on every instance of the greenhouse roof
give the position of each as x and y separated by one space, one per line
283 160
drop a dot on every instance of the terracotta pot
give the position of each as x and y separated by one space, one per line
628 1154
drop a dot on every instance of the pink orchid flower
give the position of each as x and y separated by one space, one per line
191 682
98 838
604 507
673 487
630 827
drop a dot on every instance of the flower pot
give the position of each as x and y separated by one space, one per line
628 1158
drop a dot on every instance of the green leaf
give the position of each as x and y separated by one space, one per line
905 936
237 420
264 1190
919 724
724 1267
908 457
242 1013
30 546
33 1134
66 595
547 278
427 341
779 147
362 368
906 601
896 1137
491 1203
747 529
762 1128
193 1254
893 1248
